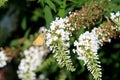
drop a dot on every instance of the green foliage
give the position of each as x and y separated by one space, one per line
51 5
48 7
42 14
61 12
62 75
58 8
2 2
24 23
37 13
48 15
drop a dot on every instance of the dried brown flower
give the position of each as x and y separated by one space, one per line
105 32
87 16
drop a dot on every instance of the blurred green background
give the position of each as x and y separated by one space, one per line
20 21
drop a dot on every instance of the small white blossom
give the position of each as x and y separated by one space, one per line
58 32
114 15
3 59
55 38
118 13
116 18
86 42
58 41
33 59
86 48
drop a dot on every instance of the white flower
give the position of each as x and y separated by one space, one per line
48 35
86 48
58 32
27 75
116 19
55 38
114 15
118 13
3 59
87 41
33 59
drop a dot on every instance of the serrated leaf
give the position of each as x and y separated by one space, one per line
48 16
51 5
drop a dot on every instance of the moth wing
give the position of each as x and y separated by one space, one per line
39 40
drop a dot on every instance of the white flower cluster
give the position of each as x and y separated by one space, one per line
86 48
3 59
60 32
116 19
33 59
114 15
87 43
58 41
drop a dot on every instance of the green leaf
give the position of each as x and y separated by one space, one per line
14 42
37 13
80 31
2 3
61 12
24 23
42 2
27 43
51 5
27 33
57 1
48 16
